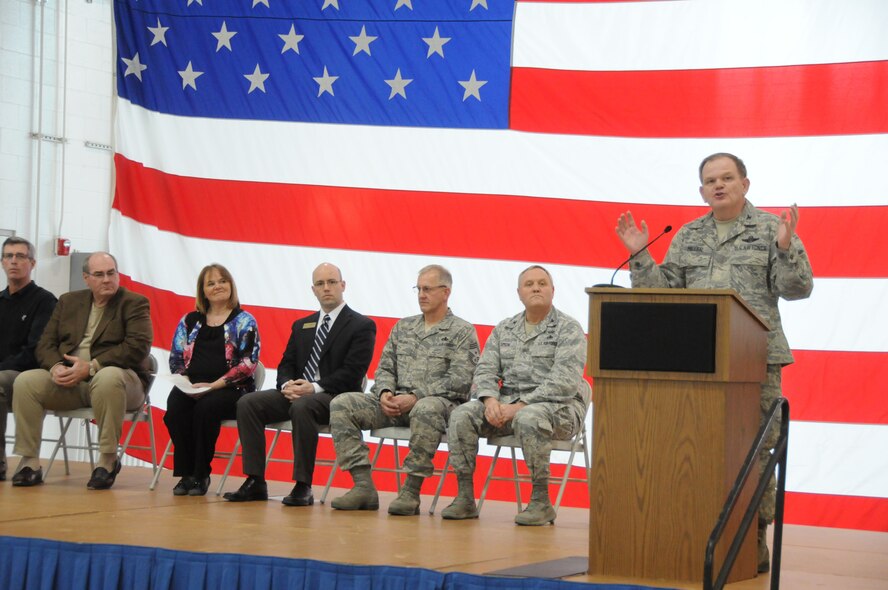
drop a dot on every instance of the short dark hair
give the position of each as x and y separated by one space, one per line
201 303
741 167
15 240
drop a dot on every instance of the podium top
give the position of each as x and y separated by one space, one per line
619 292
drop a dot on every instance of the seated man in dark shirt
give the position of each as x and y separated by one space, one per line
24 310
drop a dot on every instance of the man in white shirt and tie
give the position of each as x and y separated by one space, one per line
328 353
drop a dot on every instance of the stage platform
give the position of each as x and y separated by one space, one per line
129 514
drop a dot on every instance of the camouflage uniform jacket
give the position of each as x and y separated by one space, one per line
747 260
439 361
543 366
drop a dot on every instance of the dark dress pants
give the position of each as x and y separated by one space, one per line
194 424
256 410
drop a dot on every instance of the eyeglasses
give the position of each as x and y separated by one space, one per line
328 283
99 275
16 255
427 290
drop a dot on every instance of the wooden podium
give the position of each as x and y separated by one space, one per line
678 376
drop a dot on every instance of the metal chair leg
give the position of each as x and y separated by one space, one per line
61 443
228 467
329 482
166 453
440 484
487 481
513 452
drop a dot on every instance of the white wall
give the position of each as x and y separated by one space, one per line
50 189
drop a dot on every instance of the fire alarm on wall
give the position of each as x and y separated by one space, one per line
63 247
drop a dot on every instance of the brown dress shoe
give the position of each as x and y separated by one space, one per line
102 479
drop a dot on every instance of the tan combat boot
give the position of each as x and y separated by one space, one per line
463 506
362 496
407 502
539 511
764 559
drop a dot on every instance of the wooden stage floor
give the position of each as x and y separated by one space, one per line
129 514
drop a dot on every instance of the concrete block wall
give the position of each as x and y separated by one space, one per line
57 78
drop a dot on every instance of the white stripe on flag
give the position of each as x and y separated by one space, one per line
840 459
497 162
725 34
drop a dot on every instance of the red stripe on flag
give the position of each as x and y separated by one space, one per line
822 99
837 386
810 384
336 217
844 512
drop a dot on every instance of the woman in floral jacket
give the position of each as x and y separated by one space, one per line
217 348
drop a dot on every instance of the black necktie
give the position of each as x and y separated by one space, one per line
311 367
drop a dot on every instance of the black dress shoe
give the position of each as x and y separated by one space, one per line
300 496
250 491
27 477
102 479
185 485
200 487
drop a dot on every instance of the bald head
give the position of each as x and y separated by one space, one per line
328 286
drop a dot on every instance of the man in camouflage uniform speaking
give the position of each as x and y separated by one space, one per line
528 382
734 246
424 373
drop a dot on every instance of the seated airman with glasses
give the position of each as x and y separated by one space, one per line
424 373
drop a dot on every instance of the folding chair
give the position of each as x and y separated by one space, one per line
86 415
287 426
578 444
397 434
258 379
279 427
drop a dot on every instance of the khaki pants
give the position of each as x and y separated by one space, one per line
110 393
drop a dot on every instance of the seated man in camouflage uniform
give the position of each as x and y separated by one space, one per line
527 383
424 373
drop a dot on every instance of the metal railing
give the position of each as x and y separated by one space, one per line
777 457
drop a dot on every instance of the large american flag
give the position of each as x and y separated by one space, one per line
485 135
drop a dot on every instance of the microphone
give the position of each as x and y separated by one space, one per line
665 231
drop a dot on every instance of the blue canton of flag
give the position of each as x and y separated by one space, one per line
431 63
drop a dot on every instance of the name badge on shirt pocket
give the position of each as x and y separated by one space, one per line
309 326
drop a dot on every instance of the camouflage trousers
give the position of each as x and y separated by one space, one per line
535 425
350 413
770 392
